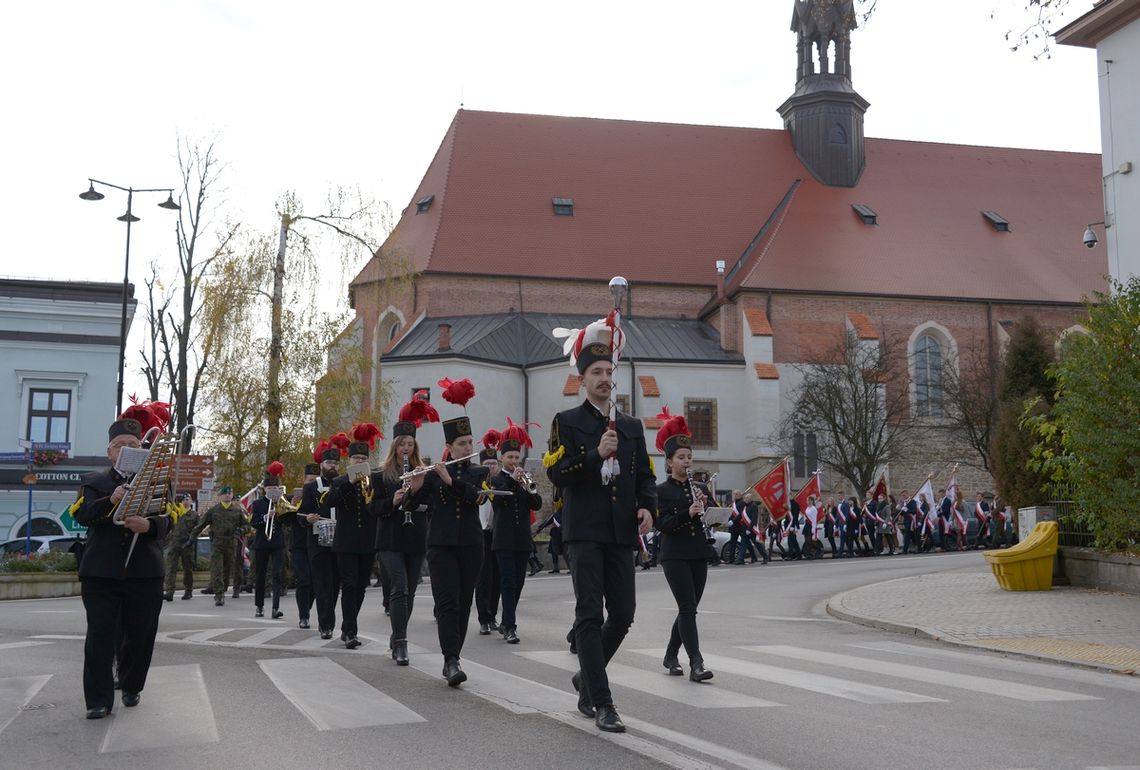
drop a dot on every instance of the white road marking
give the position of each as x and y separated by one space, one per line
174 711
781 618
16 645
191 614
16 692
59 636
331 697
803 680
1011 665
674 688
52 612
261 636
1005 689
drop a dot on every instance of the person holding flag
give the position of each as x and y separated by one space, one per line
982 513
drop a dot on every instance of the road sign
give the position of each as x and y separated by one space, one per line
13 457
23 443
51 446
191 470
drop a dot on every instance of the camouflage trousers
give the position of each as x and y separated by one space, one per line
221 567
176 558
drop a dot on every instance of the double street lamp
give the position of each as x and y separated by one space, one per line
94 195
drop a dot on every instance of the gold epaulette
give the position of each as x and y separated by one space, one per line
651 468
550 458
558 504
75 506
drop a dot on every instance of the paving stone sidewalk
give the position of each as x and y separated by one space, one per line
1098 629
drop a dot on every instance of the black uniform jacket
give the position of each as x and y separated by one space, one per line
682 536
108 542
455 508
393 534
259 519
313 500
355 516
593 511
512 514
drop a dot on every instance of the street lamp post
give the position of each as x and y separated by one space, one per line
94 195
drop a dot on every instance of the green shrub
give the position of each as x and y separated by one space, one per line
37 562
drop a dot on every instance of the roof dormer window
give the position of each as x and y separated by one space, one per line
866 213
424 203
1000 223
563 207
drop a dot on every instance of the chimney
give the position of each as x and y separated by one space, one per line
720 279
444 337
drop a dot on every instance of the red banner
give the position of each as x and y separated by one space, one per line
810 489
773 490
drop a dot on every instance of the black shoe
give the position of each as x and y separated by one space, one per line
673 665
219 601
553 571
130 699
259 613
453 673
494 626
98 712
351 643
533 572
168 596
400 653
607 720
304 623
484 630
511 636
326 634
188 595
236 594
277 614
698 672
206 591
584 706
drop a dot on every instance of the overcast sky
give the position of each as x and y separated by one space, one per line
306 96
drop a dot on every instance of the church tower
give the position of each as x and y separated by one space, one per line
825 114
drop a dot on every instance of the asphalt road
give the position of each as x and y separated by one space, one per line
793 688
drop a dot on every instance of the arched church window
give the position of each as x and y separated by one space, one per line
928 376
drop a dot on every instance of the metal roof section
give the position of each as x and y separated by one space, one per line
527 339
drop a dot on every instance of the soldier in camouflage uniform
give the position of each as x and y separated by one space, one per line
182 550
223 519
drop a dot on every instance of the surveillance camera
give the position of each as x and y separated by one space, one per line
1089 239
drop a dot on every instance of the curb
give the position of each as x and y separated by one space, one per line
836 610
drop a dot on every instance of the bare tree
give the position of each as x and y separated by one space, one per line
155 367
969 389
856 402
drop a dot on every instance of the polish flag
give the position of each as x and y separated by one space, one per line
247 499
810 488
772 490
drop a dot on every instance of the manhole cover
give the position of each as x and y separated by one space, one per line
37 706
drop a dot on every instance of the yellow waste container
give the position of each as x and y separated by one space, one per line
1027 566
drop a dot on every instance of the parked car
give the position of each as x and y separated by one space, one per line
43 544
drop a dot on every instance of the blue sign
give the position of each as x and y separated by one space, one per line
51 446
13 457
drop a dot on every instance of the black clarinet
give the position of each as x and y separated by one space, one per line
694 492
407 487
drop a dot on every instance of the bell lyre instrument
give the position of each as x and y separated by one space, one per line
406 485
146 491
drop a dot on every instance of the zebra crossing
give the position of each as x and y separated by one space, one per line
178 710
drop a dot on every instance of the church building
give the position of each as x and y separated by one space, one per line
748 252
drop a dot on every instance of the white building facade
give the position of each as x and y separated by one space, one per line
59 358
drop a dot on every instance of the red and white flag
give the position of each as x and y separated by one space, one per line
811 488
772 490
247 499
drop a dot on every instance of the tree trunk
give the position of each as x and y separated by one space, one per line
273 383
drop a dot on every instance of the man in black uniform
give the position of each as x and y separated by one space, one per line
119 596
487 585
268 549
512 543
322 562
299 547
598 458
355 540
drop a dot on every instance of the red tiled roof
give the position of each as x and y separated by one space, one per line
757 322
652 423
649 385
862 326
650 196
767 371
573 385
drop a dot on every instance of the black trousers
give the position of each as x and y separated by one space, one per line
794 546
355 575
686 578
261 562
129 608
453 572
603 579
403 570
487 584
303 576
326 585
512 575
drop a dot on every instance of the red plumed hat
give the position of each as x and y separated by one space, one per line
318 453
419 410
515 436
673 433
367 433
276 468
341 442
149 414
491 439
457 392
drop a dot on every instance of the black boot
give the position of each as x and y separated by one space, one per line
400 653
584 705
453 673
698 672
673 665
168 596
188 595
